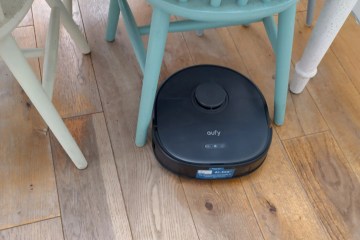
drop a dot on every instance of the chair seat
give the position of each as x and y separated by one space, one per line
14 11
229 10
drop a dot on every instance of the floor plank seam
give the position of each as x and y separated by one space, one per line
252 209
329 128
342 66
345 157
82 115
29 223
56 184
303 187
305 135
187 202
106 124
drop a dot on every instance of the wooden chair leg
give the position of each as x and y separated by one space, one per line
330 21
271 30
68 6
51 52
113 20
156 47
27 79
283 60
133 32
70 26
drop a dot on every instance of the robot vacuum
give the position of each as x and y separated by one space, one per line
210 122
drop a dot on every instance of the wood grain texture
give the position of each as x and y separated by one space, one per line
337 99
221 210
154 198
330 183
347 51
48 229
75 91
27 189
91 200
279 202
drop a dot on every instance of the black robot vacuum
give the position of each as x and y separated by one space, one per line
210 122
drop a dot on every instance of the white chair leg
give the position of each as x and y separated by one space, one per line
70 26
331 19
27 79
51 52
68 6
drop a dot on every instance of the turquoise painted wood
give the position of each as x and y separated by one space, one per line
113 19
271 30
203 14
283 61
156 46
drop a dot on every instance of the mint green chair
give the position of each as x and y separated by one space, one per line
203 14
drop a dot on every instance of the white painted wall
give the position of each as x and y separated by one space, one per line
356 11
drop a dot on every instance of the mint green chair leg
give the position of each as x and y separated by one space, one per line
113 19
271 30
283 60
157 39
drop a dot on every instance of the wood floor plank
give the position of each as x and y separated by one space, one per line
347 50
223 51
155 199
281 205
27 189
73 69
221 210
276 204
48 229
330 183
337 99
91 200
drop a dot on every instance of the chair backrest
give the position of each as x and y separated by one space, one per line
240 11
217 3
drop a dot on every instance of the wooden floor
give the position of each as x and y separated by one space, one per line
308 187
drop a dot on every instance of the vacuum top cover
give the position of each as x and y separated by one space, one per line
211 115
